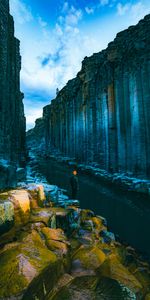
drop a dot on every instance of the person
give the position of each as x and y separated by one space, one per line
74 184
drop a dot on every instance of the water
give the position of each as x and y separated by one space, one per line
127 213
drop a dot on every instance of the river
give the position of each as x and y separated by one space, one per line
127 213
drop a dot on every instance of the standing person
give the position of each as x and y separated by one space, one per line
74 184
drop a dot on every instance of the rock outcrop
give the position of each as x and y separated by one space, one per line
73 259
103 115
12 121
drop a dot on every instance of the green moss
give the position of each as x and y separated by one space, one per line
90 257
20 264
11 281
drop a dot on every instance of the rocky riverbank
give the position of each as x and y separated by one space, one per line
125 181
51 249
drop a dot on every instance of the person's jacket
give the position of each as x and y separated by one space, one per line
74 182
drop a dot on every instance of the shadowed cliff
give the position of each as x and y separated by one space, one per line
12 120
103 115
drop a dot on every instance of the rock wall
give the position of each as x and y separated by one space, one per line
12 121
103 115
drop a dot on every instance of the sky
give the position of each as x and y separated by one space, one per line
55 37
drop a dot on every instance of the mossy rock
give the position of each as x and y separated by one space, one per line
143 276
98 224
112 268
23 263
58 247
6 216
91 288
54 234
43 215
90 258
21 202
86 214
63 281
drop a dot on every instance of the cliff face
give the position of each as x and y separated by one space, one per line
103 115
12 120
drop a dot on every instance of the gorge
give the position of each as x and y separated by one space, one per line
51 247
103 115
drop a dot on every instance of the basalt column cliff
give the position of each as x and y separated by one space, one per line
103 115
12 120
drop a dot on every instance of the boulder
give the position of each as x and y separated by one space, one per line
21 202
26 261
43 215
63 281
58 247
89 258
37 193
54 234
55 240
107 236
112 268
91 288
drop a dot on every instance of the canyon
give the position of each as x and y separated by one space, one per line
103 114
51 247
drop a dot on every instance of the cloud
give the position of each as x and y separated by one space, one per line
122 9
89 10
139 10
46 70
33 107
42 22
20 11
135 11
104 2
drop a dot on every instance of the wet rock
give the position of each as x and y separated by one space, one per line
108 237
68 220
65 203
52 193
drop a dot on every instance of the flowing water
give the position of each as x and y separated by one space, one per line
127 213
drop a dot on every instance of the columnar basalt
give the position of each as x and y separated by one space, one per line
12 121
103 115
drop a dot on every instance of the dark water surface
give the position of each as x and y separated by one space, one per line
127 213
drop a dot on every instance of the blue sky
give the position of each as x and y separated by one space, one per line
55 37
